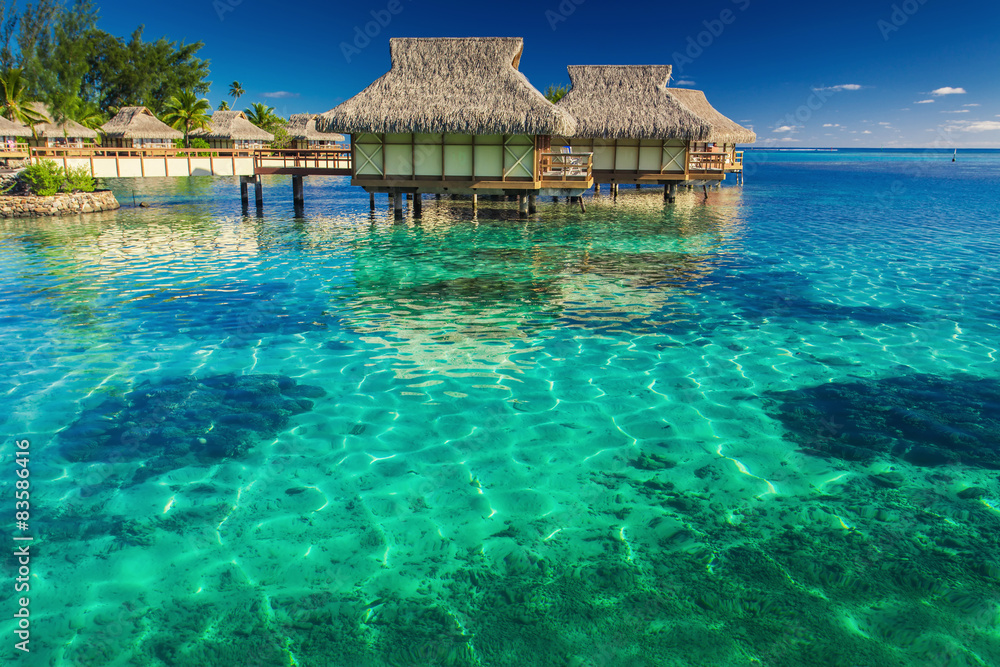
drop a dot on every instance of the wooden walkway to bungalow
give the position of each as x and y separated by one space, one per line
558 170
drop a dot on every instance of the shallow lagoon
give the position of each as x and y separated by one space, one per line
757 428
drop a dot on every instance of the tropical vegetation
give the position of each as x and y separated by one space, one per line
555 93
186 111
46 178
236 91
55 53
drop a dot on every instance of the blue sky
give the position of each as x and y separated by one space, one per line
911 73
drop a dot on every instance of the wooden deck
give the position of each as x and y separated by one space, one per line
303 161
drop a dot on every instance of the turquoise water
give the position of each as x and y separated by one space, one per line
760 427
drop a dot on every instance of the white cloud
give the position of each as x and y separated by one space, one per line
978 126
972 105
842 87
685 82
867 132
924 102
886 124
279 94
784 128
832 125
948 90
957 111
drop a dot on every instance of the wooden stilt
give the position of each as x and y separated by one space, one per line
418 205
704 188
244 194
258 189
522 206
397 205
409 196
583 205
437 196
532 204
298 193
597 188
475 202
371 201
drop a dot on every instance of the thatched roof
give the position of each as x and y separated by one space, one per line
9 128
724 130
138 123
52 130
629 102
303 126
232 125
465 86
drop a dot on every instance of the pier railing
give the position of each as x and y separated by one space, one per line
50 153
707 162
735 161
302 161
566 167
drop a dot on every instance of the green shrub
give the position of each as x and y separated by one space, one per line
44 178
79 178
196 142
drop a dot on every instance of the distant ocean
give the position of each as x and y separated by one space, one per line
760 426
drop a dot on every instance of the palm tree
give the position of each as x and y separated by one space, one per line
14 99
186 111
223 106
554 94
236 91
262 116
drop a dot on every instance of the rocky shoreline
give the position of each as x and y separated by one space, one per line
72 203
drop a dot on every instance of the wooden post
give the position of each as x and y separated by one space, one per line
522 206
583 205
258 190
597 188
409 196
669 193
397 205
298 195
437 196
371 200
532 204
418 205
475 202
244 194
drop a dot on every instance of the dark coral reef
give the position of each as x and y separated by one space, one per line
925 420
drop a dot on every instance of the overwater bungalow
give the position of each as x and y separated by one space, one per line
456 116
642 132
137 127
232 130
68 134
303 133
725 133
13 136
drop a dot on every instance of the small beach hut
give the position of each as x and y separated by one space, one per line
455 115
137 127
232 130
638 131
303 133
13 136
724 135
68 134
